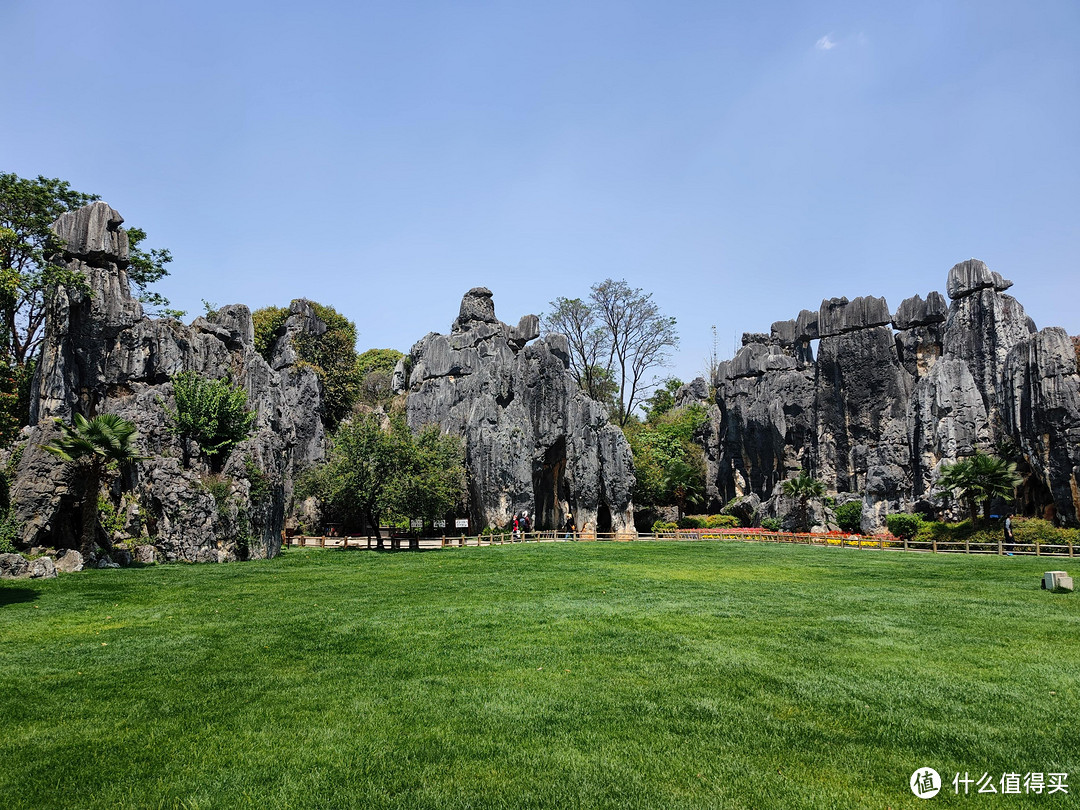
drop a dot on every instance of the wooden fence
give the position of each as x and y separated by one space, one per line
834 540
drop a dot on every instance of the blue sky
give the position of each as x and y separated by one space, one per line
741 161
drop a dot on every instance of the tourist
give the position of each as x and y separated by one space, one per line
569 527
1009 544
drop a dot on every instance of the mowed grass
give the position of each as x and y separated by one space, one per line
571 675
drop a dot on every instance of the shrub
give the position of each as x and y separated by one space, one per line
849 516
770 524
688 522
721 522
903 525
664 526
212 412
268 321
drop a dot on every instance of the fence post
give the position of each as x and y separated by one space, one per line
967 545
1001 550
1070 548
905 544
1038 551
933 545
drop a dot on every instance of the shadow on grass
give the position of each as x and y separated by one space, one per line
14 596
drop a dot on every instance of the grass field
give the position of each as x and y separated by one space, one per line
559 675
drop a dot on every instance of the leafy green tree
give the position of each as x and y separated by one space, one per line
92 444
377 467
684 483
213 413
660 443
357 481
375 375
663 399
430 479
805 488
978 480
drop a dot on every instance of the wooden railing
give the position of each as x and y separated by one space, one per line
880 542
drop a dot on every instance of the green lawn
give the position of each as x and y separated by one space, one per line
570 675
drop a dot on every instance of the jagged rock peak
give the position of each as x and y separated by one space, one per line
93 231
476 307
838 315
971 276
916 312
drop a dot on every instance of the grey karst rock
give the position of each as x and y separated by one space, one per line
861 409
946 421
747 509
971 276
982 328
41 568
876 414
1041 412
146 554
838 315
914 311
101 355
695 391
533 441
766 403
68 561
14 566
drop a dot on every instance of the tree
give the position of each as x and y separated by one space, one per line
213 413
641 338
664 440
92 444
978 480
430 479
589 345
804 487
663 399
377 467
616 339
357 479
683 482
375 375
28 249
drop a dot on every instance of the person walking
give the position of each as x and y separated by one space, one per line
569 527
1009 543
517 528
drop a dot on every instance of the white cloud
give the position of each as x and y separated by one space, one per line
825 44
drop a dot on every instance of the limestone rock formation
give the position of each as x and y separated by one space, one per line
533 440
878 411
102 355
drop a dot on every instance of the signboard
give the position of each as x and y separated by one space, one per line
416 524
461 523
440 524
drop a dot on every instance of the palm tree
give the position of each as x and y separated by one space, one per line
979 479
804 487
683 482
91 444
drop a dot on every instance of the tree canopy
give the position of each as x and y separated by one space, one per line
617 339
91 444
805 488
978 480
377 467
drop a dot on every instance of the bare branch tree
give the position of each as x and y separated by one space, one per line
589 345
